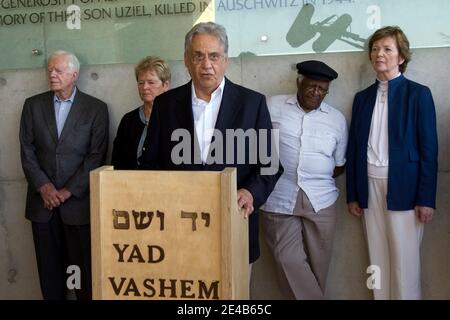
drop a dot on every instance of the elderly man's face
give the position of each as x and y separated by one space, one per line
61 78
311 93
206 62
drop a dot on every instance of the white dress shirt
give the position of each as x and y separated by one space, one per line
205 117
311 145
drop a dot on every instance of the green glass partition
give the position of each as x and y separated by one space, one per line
124 31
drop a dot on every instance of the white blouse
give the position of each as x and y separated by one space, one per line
377 147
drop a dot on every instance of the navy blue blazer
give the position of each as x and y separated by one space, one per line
241 108
126 142
413 145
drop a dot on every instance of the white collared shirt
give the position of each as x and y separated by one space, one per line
311 145
205 117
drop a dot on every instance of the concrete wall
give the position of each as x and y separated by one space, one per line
115 84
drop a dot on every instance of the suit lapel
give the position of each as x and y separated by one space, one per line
228 108
184 106
367 111
185 119
75 112
49 115
397 113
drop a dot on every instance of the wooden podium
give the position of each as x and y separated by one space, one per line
167 235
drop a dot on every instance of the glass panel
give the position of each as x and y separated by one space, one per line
124 31
20 45
269 27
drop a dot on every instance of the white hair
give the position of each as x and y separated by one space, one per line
73 62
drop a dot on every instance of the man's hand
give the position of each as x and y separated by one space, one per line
50 196
245 202
425 214
64 194
355 209
53 198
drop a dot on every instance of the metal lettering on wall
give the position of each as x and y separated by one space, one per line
124 31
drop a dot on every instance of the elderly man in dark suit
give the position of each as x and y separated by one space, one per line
63 135
208 109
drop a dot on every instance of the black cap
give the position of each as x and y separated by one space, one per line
316 70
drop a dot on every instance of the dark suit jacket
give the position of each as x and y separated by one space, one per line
66 161
241 108
413 145
124 154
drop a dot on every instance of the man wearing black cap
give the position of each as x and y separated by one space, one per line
299 216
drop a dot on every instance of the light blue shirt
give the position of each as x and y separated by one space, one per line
62 109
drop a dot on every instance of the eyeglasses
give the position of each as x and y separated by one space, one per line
311 88
213 57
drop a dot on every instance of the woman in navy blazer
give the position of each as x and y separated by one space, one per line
392 166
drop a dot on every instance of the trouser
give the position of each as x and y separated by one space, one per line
57 246
394 239
301 245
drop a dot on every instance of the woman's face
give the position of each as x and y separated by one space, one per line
150 86
385 58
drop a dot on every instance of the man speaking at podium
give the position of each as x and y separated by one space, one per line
212 113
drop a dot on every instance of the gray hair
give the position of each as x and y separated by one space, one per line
156 64
211 28
73 62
